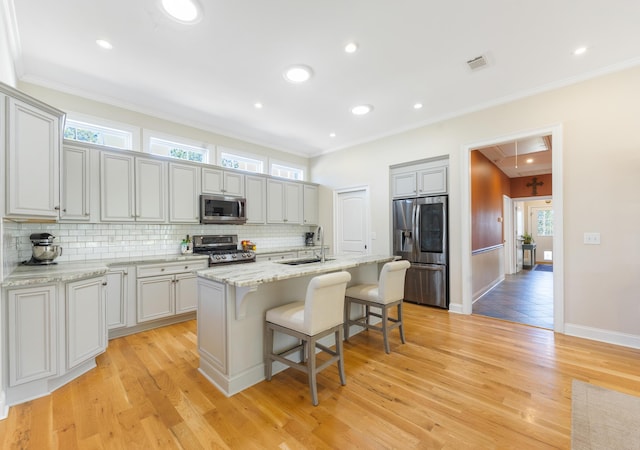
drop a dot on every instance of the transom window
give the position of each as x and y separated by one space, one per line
96 134
241 162
164 147
293 173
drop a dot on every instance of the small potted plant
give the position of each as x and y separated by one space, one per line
527 238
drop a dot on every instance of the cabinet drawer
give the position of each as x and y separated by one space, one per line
151 270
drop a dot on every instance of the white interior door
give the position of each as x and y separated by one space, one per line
352 223
541 227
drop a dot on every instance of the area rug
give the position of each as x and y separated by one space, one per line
544 268
603 419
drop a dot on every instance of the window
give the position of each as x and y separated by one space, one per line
178 150
241 162
293 173
93 133
544 222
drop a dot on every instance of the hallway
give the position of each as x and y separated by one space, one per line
525 297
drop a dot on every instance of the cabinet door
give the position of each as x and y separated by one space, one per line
276 256
150 190
403 185
33 138
212 181
275 201
117 298
75 188
184 193
32 334
432 181
86 321
117 187
256 205
155 298
186 286
212 324
293 203
310 201
233 184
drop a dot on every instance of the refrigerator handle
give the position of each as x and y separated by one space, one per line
405 235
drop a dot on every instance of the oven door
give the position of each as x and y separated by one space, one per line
218 209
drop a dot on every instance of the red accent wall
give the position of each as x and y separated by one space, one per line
488 185
519 188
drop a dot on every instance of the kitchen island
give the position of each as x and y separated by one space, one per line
232 301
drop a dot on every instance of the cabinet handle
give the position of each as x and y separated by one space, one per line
162 270
186 267
104 283
57 208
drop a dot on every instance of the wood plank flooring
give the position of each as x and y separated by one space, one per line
524 297
458 382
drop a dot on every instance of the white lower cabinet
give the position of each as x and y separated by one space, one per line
54 333
165 290
86 324
33 333
117 297
276 256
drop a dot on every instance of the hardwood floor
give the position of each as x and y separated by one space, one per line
458 382
524 297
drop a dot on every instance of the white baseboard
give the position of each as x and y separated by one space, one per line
4 408
598 334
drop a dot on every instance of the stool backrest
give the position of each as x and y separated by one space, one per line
391 283
324 303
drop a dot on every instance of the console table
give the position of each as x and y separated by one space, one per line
532 255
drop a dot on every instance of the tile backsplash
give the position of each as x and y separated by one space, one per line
82 242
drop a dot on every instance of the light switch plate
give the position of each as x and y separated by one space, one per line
592 238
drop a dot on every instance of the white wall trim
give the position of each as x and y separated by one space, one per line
598 334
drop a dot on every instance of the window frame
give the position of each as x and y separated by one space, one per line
99 122
241 154
148 135
288 165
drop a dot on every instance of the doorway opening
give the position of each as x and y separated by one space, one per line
499 263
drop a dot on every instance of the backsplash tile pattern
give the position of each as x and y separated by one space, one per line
82 242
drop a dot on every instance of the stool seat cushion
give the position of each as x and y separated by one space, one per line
369 292
290 315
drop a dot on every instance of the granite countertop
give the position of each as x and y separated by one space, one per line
70 271
253 274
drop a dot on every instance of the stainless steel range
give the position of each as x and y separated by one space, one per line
222 249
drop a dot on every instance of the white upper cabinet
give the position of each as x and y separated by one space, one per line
420 180
284 202
33 135
256 196
151 190
117 199
184 193
75 187
310 202
222 182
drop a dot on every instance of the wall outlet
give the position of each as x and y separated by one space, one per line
592 238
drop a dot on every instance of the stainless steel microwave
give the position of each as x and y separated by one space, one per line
220 209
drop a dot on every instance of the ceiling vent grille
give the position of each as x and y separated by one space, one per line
477 62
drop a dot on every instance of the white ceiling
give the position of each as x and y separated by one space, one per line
210 74
522 158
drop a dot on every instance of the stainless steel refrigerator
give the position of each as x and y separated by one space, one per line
420 235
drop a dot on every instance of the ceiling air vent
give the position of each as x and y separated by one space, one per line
477 62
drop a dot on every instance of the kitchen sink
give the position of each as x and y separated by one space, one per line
297 262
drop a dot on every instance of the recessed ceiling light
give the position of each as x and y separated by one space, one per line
257 105
298 74
351 47
529 161
580 51
361 110
185 11
104 44
332 135
417 106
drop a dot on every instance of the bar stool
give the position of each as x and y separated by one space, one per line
387 293
319 315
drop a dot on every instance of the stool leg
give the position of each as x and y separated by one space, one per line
347 316
401 327
268 350
339 350
311 369
385 329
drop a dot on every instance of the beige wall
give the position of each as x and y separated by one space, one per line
7 67
601 182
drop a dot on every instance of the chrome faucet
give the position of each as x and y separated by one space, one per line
320 234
